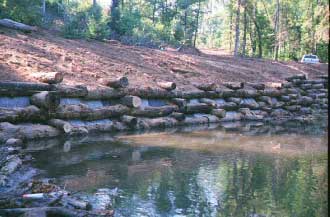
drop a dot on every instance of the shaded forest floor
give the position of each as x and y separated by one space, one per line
86 62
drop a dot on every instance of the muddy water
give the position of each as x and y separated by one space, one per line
264 171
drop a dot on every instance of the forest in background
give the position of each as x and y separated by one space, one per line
273 29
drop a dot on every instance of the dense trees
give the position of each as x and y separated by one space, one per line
278 29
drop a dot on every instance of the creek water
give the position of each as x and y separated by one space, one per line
233 171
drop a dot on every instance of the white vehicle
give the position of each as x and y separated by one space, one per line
310 58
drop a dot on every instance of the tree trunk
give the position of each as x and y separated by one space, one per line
237 29
115 15
244 31
276 29
197 22
43 8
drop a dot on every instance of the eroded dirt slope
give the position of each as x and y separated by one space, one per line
89 61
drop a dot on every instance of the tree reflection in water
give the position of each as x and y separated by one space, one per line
205 173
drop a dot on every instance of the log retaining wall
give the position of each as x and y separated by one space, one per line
36 110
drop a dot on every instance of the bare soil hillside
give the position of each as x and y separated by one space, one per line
86 62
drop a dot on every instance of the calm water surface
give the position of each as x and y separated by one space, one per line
264 171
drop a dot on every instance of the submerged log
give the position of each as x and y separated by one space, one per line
49 77
129 120
16 25
152 112
131 101
104 93
71 91
120 82
206 86
82 111
167 85
46 99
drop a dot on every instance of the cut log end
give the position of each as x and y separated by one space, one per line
49 77
131 101
167 85
121 82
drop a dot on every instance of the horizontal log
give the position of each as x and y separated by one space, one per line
179 102
197 108
257 86
129 120
16 25
150 93
30 113
71 91
49 77
24 86
299 76
120 82
220 113
209 102
66 127
104 93
83 112
26 131
178 116
167 85
206 86
152 112
191 120
161 122
234 85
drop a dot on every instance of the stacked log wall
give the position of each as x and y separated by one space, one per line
124 108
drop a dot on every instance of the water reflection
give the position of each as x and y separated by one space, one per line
201 173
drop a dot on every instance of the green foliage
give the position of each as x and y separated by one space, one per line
85 21
26 11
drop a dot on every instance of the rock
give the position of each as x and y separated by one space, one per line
11 165
3 180
14 142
